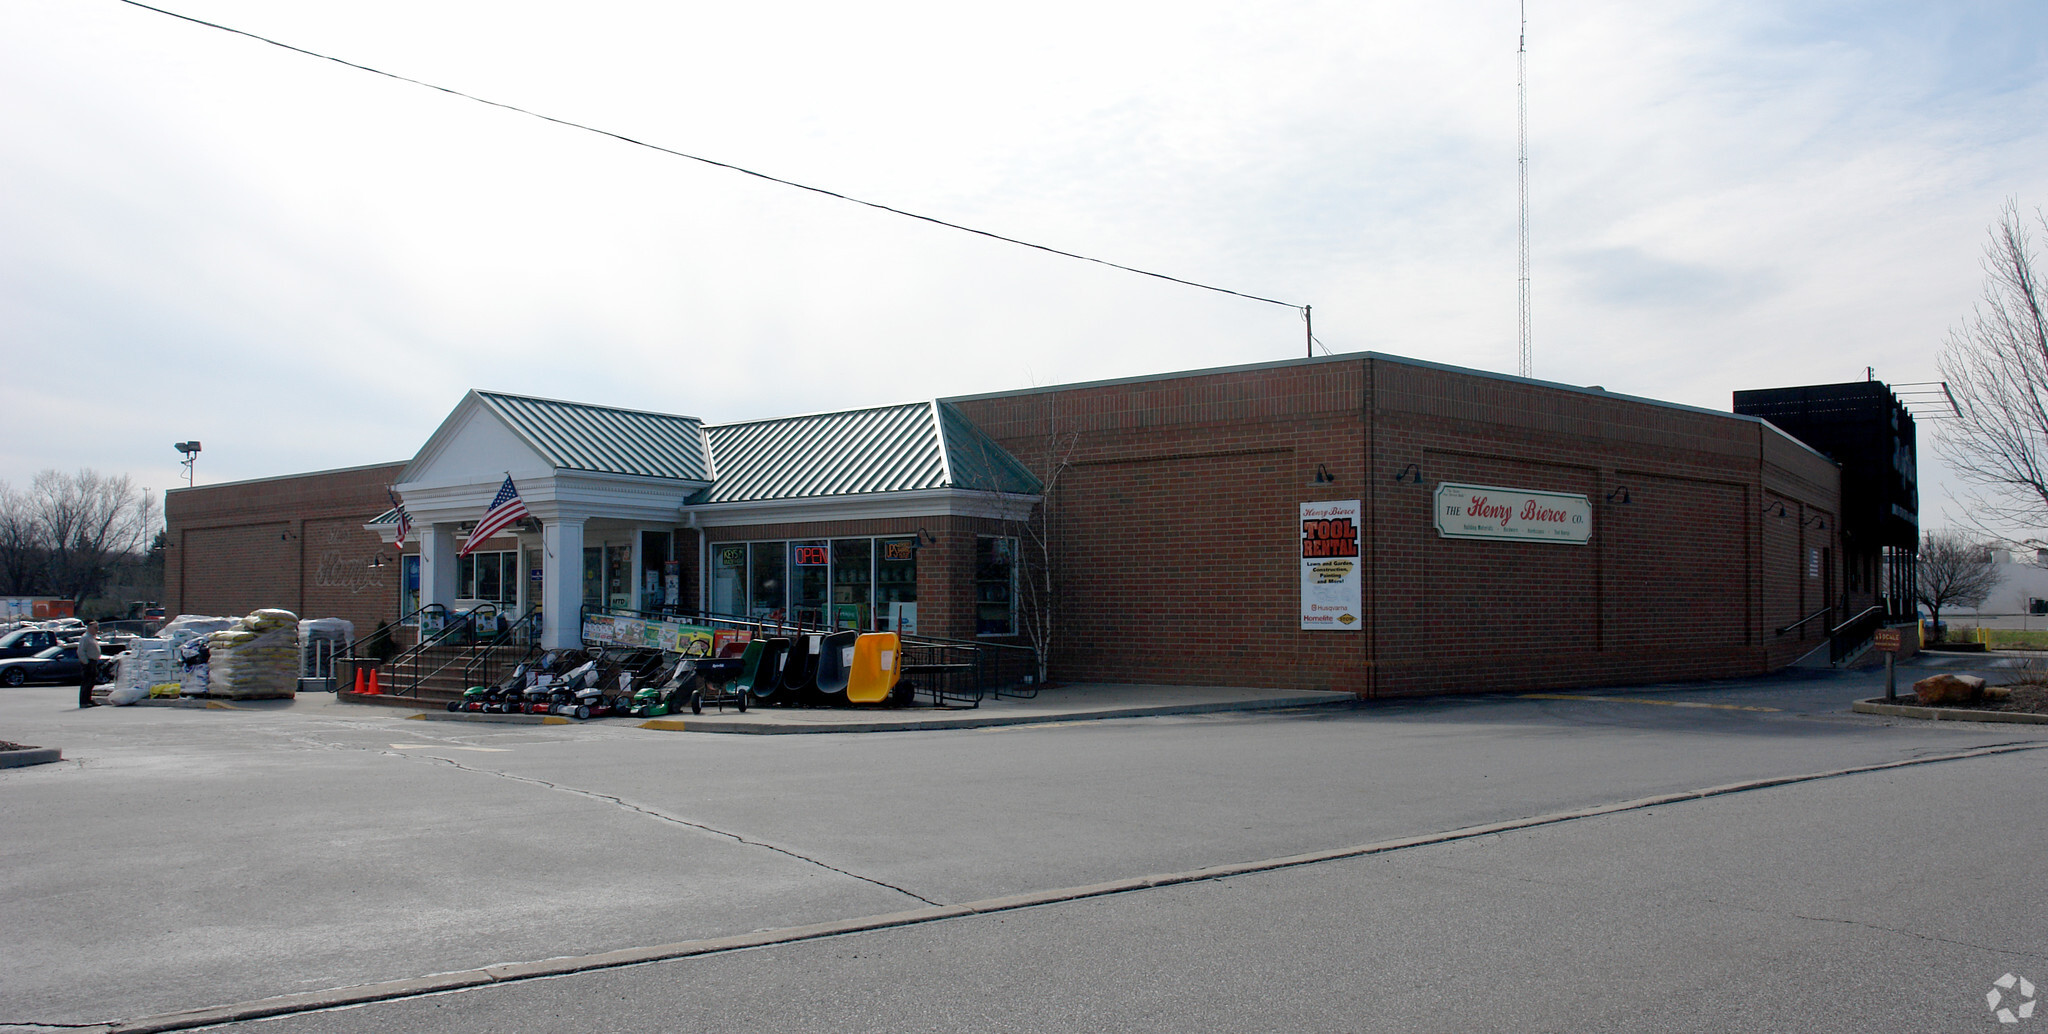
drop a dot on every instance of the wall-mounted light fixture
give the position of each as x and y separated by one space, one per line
926 538
1814 521
1619 496
1323 475
1411 472
376 561
1775 509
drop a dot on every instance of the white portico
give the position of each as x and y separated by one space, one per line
590 477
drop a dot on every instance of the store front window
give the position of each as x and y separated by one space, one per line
729 579
867 584
812 584
654 569
618 562
493 577
853 582
593 576
995 585
896 585
409 593
767 582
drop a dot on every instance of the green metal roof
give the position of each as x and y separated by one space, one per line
977 461
575 436
911 447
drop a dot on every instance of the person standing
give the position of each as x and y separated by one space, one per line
88 663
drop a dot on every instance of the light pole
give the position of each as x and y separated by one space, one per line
191 452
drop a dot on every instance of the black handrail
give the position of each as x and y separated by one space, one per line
477 670
1867 611
392 628
464 623
1807 618
1847 637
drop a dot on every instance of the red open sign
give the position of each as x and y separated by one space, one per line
813 556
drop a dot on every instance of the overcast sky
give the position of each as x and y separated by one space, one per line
304 266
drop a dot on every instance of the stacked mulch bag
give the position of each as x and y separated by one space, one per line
256 659
172 663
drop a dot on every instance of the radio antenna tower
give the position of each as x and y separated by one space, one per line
1522 186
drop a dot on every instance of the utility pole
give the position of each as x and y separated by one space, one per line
1522 187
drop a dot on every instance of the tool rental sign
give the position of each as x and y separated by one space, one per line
1330 561
1483 512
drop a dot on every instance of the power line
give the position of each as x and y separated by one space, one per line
707 161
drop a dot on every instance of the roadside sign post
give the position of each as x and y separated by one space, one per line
1887 639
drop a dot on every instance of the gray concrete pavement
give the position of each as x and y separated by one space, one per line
216 856
1867 904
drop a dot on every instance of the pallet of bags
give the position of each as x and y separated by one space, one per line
257 659
147 668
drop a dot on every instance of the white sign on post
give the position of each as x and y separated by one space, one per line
1483 512
1330 562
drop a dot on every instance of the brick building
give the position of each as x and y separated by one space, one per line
1680 543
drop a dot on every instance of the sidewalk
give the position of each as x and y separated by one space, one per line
1085 702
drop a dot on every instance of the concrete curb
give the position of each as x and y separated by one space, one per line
982 720
1876 705
31 756
500 719
363 994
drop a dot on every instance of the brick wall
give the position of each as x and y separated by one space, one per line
1178 519
292 542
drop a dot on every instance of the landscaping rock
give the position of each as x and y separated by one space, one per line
1938 690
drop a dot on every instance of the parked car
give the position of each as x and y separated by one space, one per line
56 664
27 642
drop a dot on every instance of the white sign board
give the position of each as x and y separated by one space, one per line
1483 512
1330 561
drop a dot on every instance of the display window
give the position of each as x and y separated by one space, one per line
493 577
995 585
811 584
409 595
729 579
864 583
768 582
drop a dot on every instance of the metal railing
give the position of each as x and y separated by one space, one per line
1850 636
1822 612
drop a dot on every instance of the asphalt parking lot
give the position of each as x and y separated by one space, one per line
182 859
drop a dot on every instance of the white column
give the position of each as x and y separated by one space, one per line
561 576
437 566
634 563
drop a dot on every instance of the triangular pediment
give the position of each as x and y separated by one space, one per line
474 444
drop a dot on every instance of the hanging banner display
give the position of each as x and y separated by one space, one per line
1330 561
607 630
1482 512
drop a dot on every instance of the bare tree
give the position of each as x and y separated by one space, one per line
24 562
1996 366
87 521
1954 572
1039 578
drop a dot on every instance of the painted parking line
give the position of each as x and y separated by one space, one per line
1644 700
448 746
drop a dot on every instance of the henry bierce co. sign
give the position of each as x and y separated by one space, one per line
1330 560
1483 512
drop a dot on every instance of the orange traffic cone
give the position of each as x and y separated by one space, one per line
359 680
373 690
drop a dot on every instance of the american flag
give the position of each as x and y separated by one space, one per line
404 519
505 509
